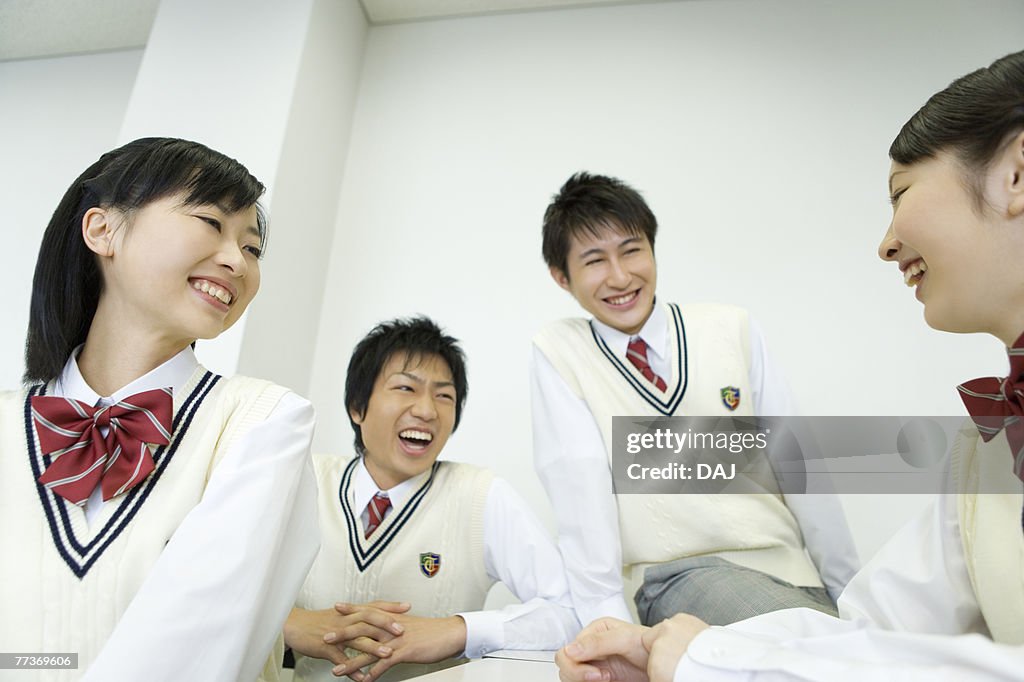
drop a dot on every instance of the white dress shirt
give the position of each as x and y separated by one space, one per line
518 552
910 614
194 617
572 464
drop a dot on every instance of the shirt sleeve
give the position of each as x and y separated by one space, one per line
821 518
771 394
519 553
827 538
572 464
910 614
215 601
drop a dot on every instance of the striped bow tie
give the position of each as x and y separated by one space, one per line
996 404
70 433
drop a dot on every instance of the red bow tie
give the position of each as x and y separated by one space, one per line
69 432
997 404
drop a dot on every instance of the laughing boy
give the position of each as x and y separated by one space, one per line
721 557
431 536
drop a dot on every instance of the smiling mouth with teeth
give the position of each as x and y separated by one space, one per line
625 298
212 290
419 439
914 273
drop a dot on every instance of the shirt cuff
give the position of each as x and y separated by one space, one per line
724 650
614 606
485 632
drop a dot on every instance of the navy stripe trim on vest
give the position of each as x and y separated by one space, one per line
366 556
78 556
645 389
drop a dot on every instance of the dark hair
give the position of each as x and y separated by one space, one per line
587 204
971 118
67 282
416 337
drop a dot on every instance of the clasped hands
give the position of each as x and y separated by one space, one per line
611 650
381 632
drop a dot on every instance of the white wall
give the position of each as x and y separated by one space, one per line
57 116
757 130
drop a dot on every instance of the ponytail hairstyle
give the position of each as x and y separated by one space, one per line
67 282
972 118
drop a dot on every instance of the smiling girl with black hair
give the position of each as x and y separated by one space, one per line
156 519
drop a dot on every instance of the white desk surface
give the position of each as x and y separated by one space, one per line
496 670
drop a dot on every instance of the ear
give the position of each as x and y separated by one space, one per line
98 231
560 277
1015 176
356 417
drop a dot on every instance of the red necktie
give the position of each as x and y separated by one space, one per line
997 404
376 509
69 432
636 352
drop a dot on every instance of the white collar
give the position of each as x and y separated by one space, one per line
174 373
654 333
364 487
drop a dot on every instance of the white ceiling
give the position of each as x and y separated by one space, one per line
397 11
47 28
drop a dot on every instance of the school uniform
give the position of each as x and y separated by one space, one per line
188 575
580 379
942 600
452 532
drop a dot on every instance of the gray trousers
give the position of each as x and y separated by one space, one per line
719 592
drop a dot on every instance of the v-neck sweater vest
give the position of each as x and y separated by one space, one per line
709 350
65 582
990 530
443 518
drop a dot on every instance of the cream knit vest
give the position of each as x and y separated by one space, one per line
65 583
444 517
990 529
709 350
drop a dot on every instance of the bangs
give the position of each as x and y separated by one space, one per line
222 182
222 185
598 229
154 168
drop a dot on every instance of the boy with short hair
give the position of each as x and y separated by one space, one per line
432 535
944 598
723 557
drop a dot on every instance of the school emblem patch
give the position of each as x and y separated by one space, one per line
731 397
430 564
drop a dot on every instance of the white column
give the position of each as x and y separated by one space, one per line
281 333
237 75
